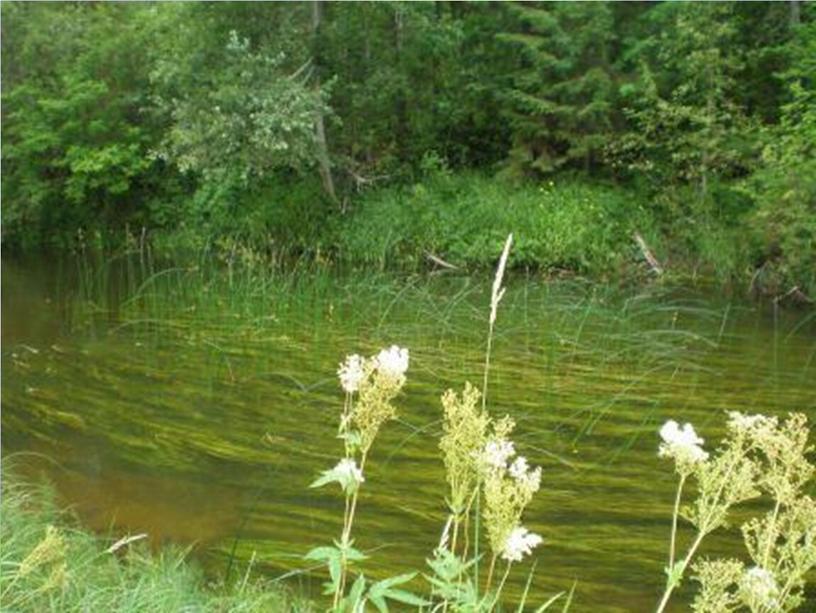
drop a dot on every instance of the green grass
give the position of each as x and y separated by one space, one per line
563 225
48 563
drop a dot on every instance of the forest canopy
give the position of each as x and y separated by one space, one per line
281 122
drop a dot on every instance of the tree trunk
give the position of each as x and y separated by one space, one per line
324 165
400 104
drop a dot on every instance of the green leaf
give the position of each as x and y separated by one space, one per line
322 554
378 602
547 604
356 593
406 598
334 570
385 584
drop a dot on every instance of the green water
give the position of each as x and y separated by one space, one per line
198 408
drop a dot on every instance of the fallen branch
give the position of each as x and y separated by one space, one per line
439 261
647 254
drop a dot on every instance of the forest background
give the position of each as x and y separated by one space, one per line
398 134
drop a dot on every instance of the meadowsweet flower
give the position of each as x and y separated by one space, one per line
519 468
392 362
759 587
520 543
681 444
352 373
348 471
496 453
743 423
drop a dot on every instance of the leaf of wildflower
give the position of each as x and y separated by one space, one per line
322 554
356 593
379 602
406 598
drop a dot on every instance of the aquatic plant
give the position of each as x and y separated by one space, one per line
760 456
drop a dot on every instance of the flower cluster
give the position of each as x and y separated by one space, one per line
352 372
464 434
497 453
739 422
520 543
682 445
348 470
392 362
370 385
509 486
759 589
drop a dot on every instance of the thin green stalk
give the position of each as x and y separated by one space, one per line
770 540
674 521
703 529
673 584
346 537
490 573
501 584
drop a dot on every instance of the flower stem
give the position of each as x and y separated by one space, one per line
670 584
674 521
346 537
490 574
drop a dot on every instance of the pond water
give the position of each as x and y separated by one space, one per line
198 408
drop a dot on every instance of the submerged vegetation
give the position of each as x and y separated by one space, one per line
233 319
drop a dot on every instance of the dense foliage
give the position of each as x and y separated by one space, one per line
265 123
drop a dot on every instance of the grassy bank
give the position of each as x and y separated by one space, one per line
567 226
564 226
559 226
49 563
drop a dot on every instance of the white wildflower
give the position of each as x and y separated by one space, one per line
524 476
742 422
496 453
348 471
682 444
759 587
519 468
352 373
392 362
520 543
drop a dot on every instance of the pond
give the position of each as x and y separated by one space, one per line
198 406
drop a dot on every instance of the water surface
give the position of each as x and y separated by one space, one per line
198 408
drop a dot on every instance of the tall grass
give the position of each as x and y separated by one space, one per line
566 226
49 563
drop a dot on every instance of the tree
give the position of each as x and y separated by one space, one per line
687 123
785 184
76 149
561 100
